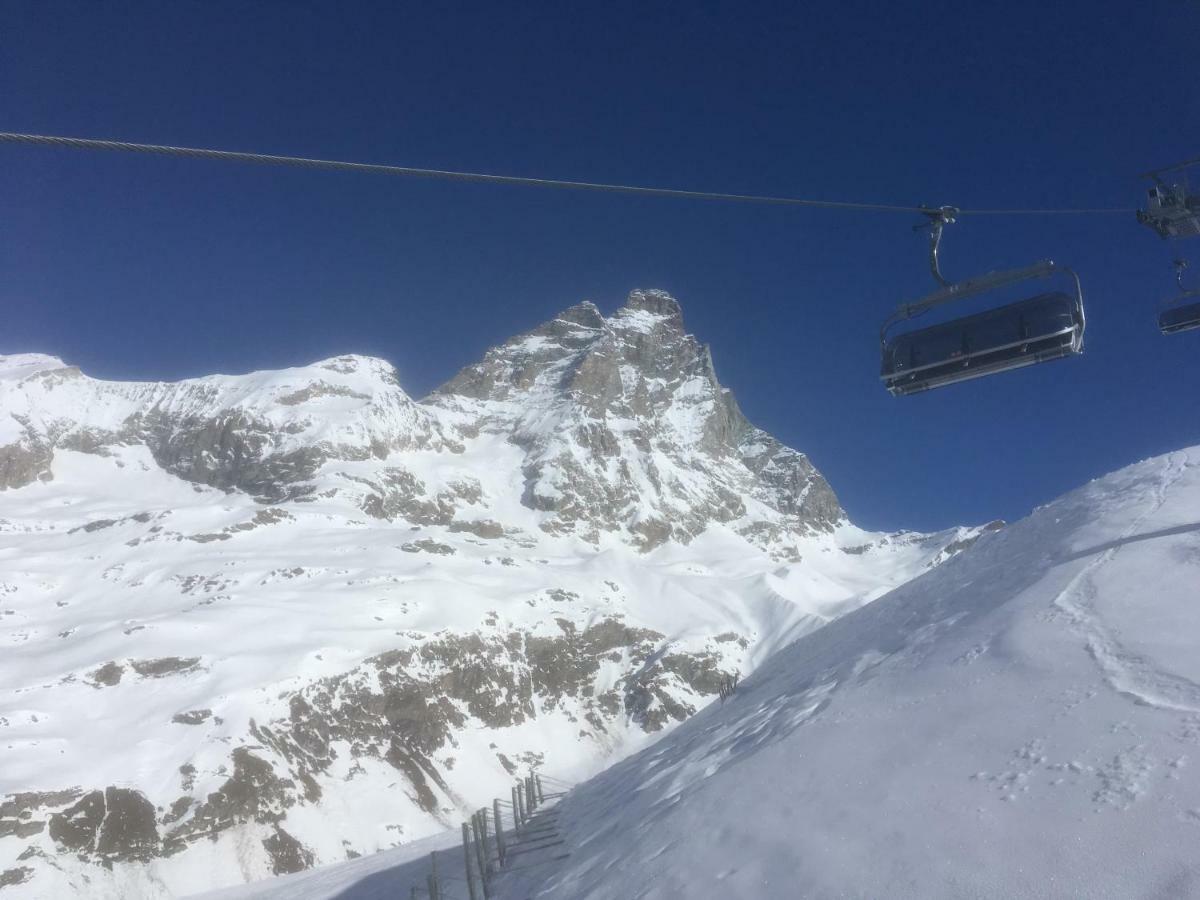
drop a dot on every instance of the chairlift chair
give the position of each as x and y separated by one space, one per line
1184 312
1040 328
1172 210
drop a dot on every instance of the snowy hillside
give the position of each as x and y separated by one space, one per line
252 624
1023 721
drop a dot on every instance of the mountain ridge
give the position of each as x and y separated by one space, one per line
577 393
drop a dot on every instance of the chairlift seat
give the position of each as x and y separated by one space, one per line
1171 211
1179 318
1038 329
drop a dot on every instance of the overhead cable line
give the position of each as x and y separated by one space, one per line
408 171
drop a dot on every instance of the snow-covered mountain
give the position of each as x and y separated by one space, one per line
1023 721
252 624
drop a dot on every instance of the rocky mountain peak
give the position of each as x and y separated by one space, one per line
626 428
655 303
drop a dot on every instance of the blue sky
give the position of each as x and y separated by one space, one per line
137 267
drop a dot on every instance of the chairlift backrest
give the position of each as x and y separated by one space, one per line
1037 329
1184 314
1179 318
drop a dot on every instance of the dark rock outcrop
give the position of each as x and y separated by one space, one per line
113 825
25 461
164 666
287 854
13 877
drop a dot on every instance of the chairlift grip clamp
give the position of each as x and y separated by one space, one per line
939 218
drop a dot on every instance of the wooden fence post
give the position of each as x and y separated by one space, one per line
485 852
521 803
487 840
530 800
480 859
537 779
501 851
466 832
516 810
435 892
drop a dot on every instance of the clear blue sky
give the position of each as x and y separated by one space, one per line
137 267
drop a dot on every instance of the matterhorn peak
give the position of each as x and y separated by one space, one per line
656 302
582 390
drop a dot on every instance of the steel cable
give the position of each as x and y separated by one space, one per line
408 171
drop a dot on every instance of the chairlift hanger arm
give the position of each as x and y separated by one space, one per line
1181 266
939 218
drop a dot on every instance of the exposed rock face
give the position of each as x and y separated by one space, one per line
113 825
160 668
267 435
625 428
25 460
108 674
192 717
406 706
253 793
21 814
403 708
13 877
287 853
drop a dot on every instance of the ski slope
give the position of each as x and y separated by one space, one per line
1022 721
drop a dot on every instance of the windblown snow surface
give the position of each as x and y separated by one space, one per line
1022 721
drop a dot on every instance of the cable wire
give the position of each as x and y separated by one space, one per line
375 168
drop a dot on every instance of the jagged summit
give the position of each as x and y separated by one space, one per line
656 303
625 426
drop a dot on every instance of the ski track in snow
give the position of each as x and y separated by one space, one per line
1127 672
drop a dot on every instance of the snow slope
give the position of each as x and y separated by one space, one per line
1023 721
